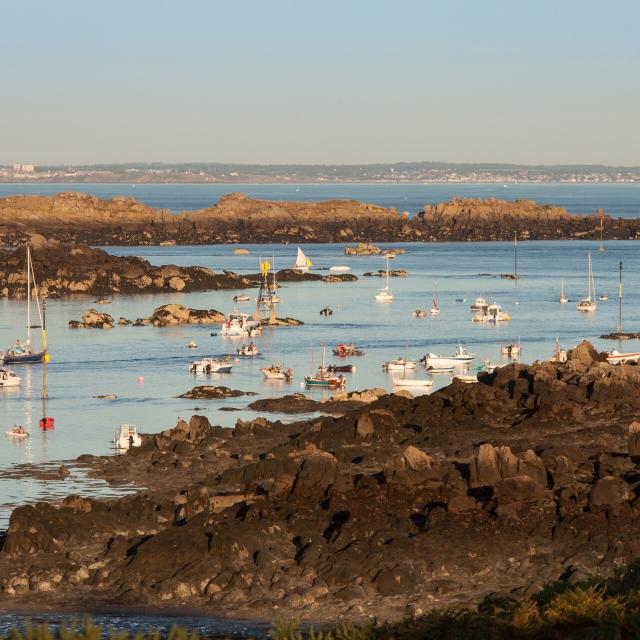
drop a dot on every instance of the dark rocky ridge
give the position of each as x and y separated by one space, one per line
77 217
399 505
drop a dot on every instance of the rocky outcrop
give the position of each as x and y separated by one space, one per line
399 504
93 319
66 269
172 314
207 392
393 273
77 217
300 403
368 249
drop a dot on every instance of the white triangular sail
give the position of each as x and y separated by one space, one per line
302 262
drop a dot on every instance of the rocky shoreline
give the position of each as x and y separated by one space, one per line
391 508
235 218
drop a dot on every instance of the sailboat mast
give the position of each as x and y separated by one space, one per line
387 272
515 254
28 294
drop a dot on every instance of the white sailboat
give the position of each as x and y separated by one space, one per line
588 304
409 382
302 262
563 298
435 308
385 295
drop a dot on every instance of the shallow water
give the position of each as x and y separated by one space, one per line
86 363
616 199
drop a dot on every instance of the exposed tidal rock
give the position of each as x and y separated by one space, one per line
93 319
474 490
300 403
281 322
393 273
207 392
172 314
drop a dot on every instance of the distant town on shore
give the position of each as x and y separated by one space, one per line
410 172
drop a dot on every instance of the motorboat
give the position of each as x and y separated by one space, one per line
18 433
192 345
603 296
563 298
126 437
399 364
302 262
277 372
461 299
243 297
341 368
588 304
211 365
493 313
385 295
327 311
412 382
489 366
480 305
22 352
615 357
440 368
248 350
240 324
512 350
419 313
8 378
344 350
340 268
461 357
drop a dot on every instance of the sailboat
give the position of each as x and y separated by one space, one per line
275 298
385 295
302 262
435 309
410 382
23 352
589 303
514 275
323 377
563 298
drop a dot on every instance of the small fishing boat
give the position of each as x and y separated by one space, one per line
248 350
277 372
461 357
480 305
603 296
588 304
327 311
126 437
461 299
399 364
243 297
385 295
302 262
493 313
615 357
563 298
345 350
419 313
240 324
192 345
211 365
339 268
8 378
440 368
412 382
341 368
17 434
512 350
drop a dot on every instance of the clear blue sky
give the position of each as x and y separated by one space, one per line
327 81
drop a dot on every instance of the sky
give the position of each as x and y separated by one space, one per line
349 81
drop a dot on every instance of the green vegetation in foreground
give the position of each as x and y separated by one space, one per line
598 608
595 609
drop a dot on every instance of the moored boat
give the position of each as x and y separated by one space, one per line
615 357
240 324
412 382
249 350
8 378
344 350
211 365
340 268
461 357
302 262
399 364
588 304
243 297
341 368
277 372
126 437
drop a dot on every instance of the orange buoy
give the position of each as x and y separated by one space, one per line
141 379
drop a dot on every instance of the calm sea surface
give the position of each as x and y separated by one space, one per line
87 363
616 199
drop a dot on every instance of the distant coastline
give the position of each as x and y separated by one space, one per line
383 173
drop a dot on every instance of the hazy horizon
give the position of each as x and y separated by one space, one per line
331 84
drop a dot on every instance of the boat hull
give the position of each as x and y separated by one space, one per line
406 382
25 358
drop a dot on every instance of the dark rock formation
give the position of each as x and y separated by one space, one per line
62 269
93 319
207 392
402 503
